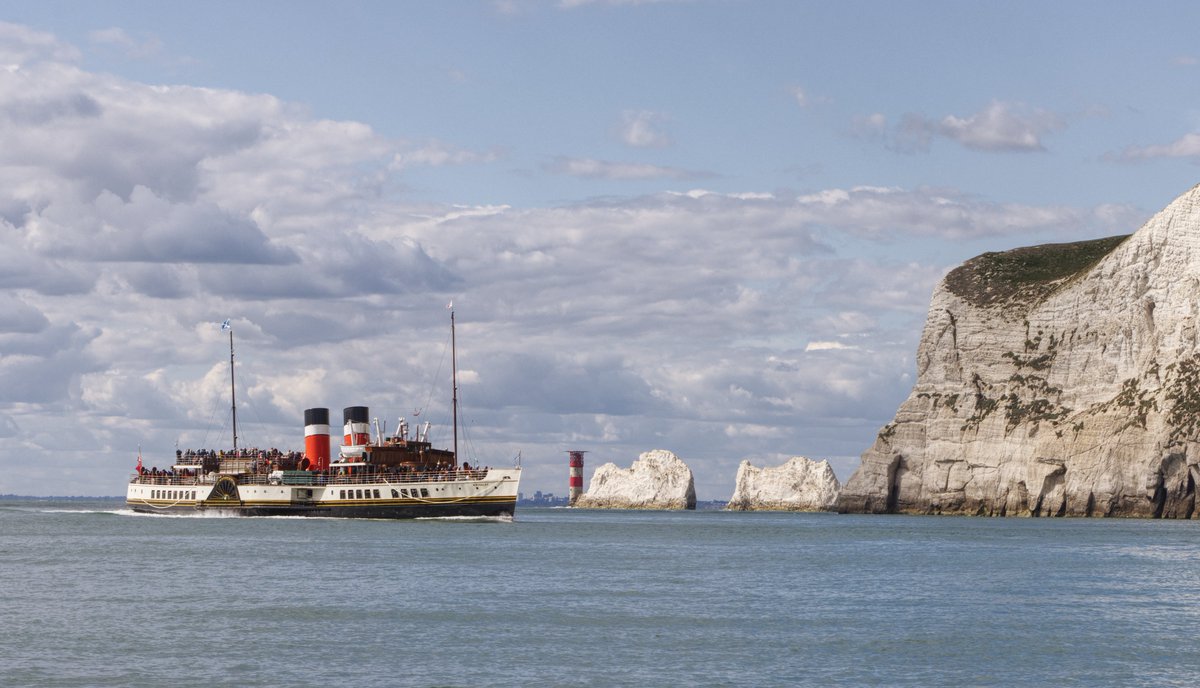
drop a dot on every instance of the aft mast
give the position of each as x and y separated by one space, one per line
454 380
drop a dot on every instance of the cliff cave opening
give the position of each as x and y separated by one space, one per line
1175 490
1191 492
896 471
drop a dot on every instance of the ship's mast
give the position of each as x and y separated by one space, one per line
454 380
232 391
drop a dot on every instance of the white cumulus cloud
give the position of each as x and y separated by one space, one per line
644 129
606 169
998 127
1186 146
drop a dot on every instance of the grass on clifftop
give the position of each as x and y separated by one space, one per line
1024 276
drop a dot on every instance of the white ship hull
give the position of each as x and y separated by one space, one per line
491 492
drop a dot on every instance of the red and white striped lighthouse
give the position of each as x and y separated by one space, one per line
316 438
575 479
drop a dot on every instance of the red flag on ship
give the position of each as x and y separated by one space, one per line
139 466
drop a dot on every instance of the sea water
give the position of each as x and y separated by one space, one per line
95 595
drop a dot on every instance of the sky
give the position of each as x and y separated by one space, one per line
711 227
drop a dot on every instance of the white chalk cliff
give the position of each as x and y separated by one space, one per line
657 480
800 484
1054 380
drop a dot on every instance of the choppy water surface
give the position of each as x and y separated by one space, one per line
96 596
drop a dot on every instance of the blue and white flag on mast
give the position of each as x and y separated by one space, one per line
225 325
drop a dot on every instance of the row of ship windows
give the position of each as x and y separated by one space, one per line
344 494
172 494
367 494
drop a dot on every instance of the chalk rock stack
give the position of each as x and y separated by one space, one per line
800 484
657 480
1054 380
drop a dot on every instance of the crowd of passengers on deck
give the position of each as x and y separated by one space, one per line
197 456
265 462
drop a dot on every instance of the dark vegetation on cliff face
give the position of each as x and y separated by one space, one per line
1025 276
1184 394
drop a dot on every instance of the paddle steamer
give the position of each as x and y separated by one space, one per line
378 475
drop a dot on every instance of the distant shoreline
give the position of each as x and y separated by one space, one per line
14 497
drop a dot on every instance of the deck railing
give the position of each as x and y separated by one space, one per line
315 478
